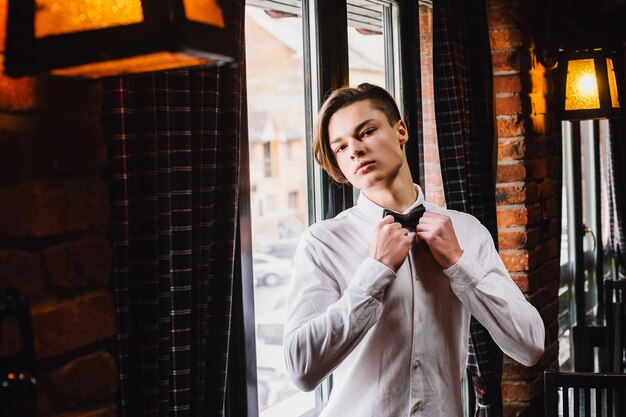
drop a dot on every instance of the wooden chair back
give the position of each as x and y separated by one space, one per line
615 307
584 394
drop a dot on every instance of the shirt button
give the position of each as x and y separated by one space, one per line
416 407
417 364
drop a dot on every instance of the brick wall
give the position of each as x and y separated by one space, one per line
433 184
54 210
527 189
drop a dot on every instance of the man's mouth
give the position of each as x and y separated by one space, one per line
362 165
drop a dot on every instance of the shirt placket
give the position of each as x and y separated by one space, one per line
416 392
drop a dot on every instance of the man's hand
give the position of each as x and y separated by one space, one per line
437 232
390 244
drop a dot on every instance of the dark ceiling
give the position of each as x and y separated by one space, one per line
578 24
593 21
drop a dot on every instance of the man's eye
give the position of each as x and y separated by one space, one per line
368 132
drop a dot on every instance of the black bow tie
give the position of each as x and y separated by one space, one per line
408 220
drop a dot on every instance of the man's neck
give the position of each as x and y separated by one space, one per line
397 196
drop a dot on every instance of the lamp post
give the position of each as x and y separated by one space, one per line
588 91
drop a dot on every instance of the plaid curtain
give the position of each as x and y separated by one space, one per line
466 137
174 178
616 181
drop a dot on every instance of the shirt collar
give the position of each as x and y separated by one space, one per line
373 210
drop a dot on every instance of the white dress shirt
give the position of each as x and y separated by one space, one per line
396 343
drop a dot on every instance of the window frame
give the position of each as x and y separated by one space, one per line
326 67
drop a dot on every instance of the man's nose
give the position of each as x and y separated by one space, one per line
356 150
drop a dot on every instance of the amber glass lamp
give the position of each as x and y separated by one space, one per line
589 85
101 38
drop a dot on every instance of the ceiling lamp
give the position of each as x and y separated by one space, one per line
589 85
101 38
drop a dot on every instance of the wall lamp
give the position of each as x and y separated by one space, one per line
589 85
101 38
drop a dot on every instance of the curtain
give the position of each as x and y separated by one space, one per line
173 141
616 181
467 151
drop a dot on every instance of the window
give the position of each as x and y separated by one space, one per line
291 63
584 265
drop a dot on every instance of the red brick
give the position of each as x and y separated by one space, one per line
511 149
550 312
508 61
84 381
510 126
547 272
507 84
533 236
534 214
547 188
67 325
106 411
35 93
538 169
510 173
515 261
554 164
19 269
78 264
498 17
10 337
3 18
48 208
506 38
514 371
521 280
537 256
545 295
522 391
509 105
538 83
539 147
17 94
512 239
518 409
536 125
501 3
538 103
552 332
512 216
507 194
35 146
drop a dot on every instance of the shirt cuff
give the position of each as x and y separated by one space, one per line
465 274
372 277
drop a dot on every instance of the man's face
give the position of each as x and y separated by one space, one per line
368 150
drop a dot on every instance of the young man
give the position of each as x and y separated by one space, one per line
386 306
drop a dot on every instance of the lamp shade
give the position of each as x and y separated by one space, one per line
100 38
589 85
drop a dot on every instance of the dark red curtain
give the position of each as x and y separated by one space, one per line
174 143
174 170
467 145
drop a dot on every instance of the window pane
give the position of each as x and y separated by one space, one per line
366 43
276 117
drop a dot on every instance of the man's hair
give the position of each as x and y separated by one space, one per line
338 99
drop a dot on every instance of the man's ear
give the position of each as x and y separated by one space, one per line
402 131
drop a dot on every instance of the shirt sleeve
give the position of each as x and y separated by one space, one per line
324 325
480 280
